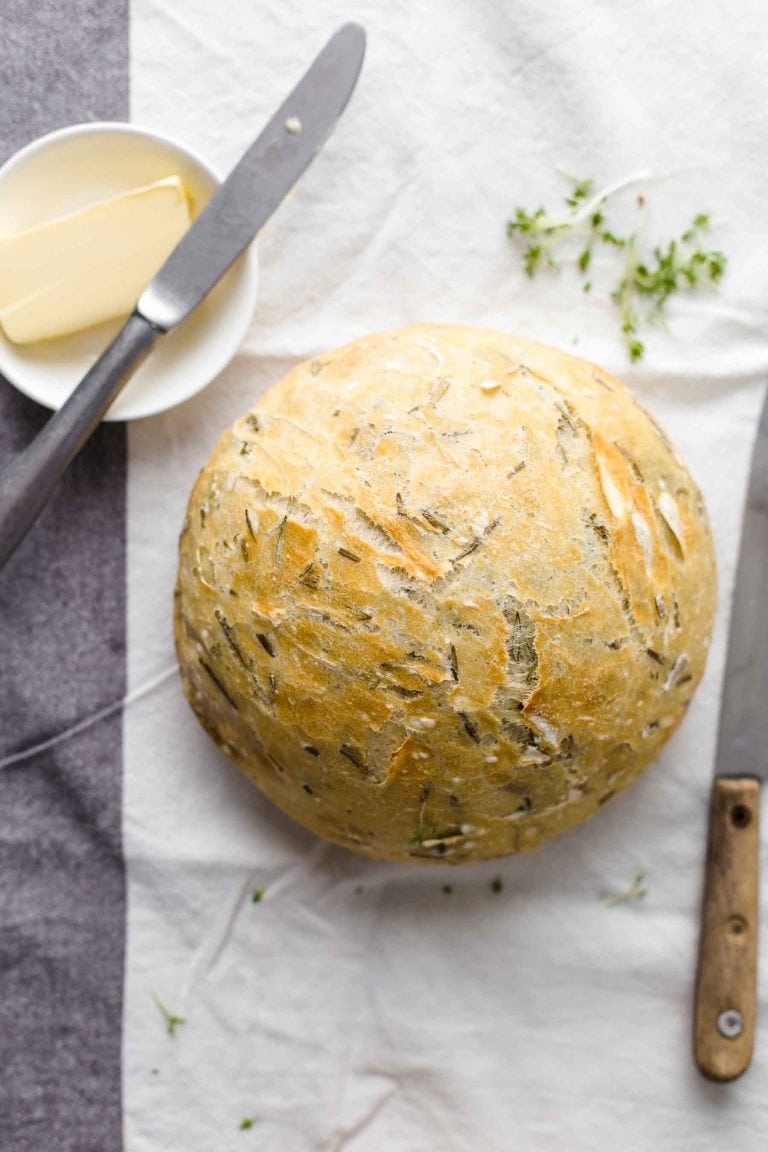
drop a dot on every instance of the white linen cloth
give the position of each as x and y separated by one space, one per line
400 1018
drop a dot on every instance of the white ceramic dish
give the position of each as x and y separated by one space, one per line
70 168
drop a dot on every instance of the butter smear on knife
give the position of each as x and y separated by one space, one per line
91 265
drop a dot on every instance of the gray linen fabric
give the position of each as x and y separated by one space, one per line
62 639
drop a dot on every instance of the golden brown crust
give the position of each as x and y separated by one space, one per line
443 592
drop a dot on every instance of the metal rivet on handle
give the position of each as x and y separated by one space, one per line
730 1023
740 816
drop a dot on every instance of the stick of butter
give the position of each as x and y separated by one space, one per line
91 265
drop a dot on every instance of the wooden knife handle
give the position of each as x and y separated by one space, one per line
724 1025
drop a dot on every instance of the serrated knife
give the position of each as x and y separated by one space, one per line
225 227
726 985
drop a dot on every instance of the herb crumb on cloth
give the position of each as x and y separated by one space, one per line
635 891
647 278
172 1021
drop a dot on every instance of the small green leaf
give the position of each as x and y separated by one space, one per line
531 258
611 238
581 189
257 896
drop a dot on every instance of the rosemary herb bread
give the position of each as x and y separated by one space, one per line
443 592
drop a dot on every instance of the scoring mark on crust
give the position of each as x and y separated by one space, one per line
215 680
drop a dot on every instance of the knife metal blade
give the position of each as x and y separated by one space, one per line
742 747
224 228
258 183
725 999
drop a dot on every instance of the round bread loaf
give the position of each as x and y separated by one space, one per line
443 592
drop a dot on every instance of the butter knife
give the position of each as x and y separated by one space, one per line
725 997
232 217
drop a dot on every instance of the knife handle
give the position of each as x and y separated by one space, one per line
725 998
28 480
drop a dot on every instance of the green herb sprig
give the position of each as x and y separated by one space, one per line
646 282
172 1021
635 891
